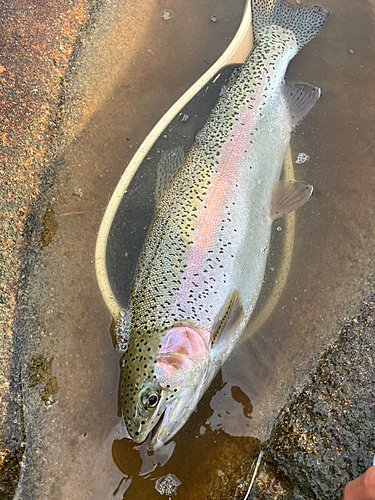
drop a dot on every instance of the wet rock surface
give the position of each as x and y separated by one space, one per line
325 436
38 42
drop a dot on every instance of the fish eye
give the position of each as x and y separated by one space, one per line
150 399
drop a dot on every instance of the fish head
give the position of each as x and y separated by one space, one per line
158 396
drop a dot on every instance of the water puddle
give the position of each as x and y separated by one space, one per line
139 61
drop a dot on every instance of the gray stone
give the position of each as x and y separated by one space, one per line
325 436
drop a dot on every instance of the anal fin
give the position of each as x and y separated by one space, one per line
288 196
300 98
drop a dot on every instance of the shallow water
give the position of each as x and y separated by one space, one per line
75 445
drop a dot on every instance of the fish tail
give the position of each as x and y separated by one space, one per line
304 21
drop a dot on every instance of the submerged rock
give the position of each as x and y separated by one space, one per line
325 436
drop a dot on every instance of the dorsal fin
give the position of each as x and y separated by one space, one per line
170 161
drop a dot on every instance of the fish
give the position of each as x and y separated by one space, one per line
203 260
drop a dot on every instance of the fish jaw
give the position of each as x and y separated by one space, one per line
175 416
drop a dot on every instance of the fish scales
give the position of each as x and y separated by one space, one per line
202 264
187 206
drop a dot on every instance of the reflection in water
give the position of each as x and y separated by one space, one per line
140 460
122 487
239 396
231 407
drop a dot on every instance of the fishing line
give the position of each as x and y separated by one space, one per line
254 475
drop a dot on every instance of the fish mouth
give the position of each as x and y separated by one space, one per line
173 418
154 431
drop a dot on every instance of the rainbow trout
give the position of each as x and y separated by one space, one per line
203 260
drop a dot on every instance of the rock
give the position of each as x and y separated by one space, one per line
325 436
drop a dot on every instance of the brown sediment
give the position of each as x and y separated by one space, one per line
9 471
50 390
48 228
37 44
40 370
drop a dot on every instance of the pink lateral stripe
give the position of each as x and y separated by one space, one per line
228 173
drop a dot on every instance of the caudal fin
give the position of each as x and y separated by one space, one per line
305 21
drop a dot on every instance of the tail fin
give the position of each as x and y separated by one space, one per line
304 21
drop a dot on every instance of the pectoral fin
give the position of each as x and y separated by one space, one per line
232 314
288 196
